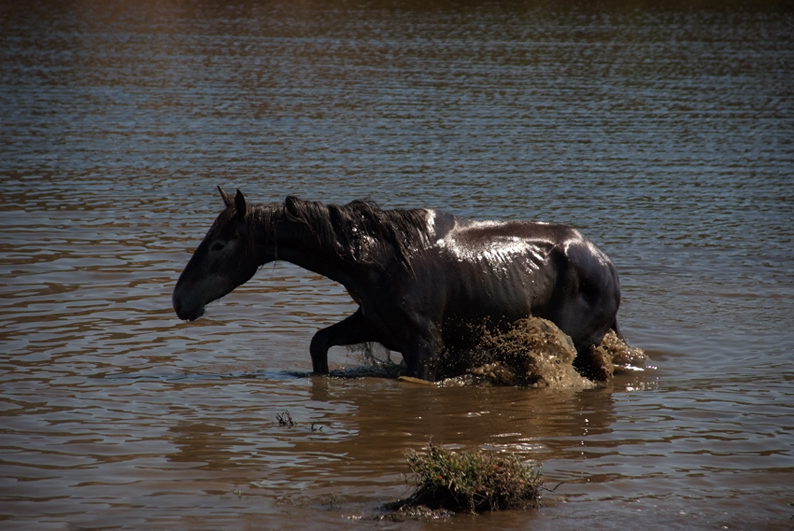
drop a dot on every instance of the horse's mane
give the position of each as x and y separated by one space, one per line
360 230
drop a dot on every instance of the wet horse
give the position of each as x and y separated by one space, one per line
422 278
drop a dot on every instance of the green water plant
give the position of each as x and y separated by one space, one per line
470 481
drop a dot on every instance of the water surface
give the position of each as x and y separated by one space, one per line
666 134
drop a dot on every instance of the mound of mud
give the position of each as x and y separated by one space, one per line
531 353
624 358
535 353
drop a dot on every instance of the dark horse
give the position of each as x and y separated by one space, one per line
422 278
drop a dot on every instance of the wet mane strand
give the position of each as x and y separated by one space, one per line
360 229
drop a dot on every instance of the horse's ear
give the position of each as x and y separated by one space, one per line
227 199
239 203
292 206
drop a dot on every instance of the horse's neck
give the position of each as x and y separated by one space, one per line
294 243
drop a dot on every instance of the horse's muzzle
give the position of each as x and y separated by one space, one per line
185 313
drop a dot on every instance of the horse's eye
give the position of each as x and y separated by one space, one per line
217 246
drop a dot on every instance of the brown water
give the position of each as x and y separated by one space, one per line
666 134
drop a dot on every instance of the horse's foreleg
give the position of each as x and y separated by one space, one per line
350 331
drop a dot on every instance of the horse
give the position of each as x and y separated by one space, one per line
423 279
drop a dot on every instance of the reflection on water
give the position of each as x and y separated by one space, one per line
663 133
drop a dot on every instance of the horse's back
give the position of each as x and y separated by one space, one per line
511 269
505 249
474 232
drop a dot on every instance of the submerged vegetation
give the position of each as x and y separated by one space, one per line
448 480
285 420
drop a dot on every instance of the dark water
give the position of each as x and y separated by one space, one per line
665 133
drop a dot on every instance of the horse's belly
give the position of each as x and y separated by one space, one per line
494 302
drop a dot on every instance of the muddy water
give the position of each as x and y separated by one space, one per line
666 134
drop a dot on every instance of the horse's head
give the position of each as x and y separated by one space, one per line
222 261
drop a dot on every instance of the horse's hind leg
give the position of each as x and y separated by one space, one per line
421 361
421 354
350 331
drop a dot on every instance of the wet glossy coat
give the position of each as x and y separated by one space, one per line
421 287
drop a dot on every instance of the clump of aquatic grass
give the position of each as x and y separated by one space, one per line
470 481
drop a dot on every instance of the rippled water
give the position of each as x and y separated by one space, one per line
666 134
